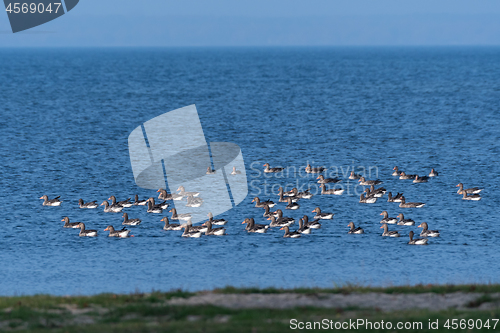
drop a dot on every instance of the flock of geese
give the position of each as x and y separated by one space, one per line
277 219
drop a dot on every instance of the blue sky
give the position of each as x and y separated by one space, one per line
266 23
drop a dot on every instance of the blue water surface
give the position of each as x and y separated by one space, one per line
66 115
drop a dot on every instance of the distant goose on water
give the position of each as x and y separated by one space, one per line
52 202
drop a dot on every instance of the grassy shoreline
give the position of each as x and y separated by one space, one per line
158 312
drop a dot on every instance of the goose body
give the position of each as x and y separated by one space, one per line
154 209
235 172
170 226
387 219
419 179
190 233
473 190
138 202
182 191
403 221
169 196
323 180
426 232
388 233
290 234
354 176
124 233
88 205
377 192
433 173
124 203
53 202
111 209
175 216
268 169
404 204
404 176
292 205
216 222
194 202
354 230
67 224
214 231
127 221
335 191
294 192
313 224
210 171
86 233
473 197
303 229
321 215
417 241
363 181
256 228
262 204
396 171
162 205
368 200
396 198
310 169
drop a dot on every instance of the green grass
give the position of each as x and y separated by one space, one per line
149 312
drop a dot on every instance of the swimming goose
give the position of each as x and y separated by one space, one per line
474 197
268 169
52 202
215 222
397 198
417 241
310 169
279 217
111 209
426 232
194 202
404 204
153 209
210 171
323 180
189 232
261 204
363 181
355 230
292 205
422 179
182 191
279 222
403 221
354 175
175 216
303 229
89 205
290 234
214 231
396 171
86 233
162 205
138 202
336 191
387 232
294 192
67 224
313 224
433 173
170 226
235 172
322 216
267 212
169 196
201 228
124 203
473 190
368 200
252 227
127 221
403 176
124 233
284 196
377 192
387 219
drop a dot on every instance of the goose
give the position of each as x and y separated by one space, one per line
404 176
235 172
417 241
404 204
336 191
261 204
396 198
167 196
403 221
86 233
138 202
363 181
474 197
433 173
124 233
279 216
354 176
321 215
127 221
111 209
323 180
396 171
284 196
294 192
387 232
252 227
215 222
368 200
170 226
201 228
387 219
268 169
355 230
292 205
422 179
310 169
279 223
124 203
162 205
89 205
53 202
303 229
377 192
67 224
426 232
267 212
189 232
175 216
153 209
214 231
290 234
182 191
210 171
194 202
473 190
313 224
